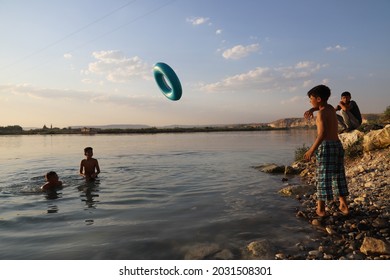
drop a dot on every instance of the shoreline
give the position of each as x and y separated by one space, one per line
364 234
152 130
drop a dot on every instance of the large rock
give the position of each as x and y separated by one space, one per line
271 168
350 139
377 139
373 246
358 141
278 169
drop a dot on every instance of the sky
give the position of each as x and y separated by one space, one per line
90 62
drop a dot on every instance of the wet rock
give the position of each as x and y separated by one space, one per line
271 168
201 251
293 190
262 249
225 254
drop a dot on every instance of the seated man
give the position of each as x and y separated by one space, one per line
350 117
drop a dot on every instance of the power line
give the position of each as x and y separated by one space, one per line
69 35
123 25
98 37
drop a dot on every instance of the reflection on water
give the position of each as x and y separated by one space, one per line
89 192
51 195
52 209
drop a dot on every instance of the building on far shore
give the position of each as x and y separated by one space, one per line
87 130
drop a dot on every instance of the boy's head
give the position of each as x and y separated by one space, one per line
346 97
88 151
51 176
320 91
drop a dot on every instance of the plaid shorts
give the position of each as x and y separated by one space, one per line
331 181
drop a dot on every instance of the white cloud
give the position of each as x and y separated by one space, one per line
282 79
240 51
118 68
67 56
294 100
27 90
301 70
197 20
337 48
52 94
218 32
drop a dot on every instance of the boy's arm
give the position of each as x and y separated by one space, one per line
97 167
320 137
81 168
45 187
309 113
343 106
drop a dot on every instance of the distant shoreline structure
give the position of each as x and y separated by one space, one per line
281 124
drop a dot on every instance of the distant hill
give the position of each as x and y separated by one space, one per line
292 123
302 122
281 123
114 126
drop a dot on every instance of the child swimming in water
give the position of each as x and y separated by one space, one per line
52 182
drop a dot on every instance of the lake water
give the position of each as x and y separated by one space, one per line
159 196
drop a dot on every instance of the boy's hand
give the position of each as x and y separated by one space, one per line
308 155
308 114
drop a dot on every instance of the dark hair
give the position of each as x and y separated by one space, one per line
50 174
88 149
321 91
346 93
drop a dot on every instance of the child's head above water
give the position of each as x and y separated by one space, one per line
88 151
51 176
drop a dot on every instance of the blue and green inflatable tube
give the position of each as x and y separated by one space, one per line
167 81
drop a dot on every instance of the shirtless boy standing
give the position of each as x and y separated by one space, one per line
89 167
329 153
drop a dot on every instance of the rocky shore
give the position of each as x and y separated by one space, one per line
365 232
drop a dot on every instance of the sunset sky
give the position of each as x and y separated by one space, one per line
90 62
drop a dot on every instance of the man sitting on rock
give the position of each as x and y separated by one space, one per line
350 118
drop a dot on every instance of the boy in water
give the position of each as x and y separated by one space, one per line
329 151
89 167
52 182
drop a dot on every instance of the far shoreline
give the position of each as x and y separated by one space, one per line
151 130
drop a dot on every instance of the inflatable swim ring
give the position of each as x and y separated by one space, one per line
167 81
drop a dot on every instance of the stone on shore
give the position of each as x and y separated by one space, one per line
262 249
374 246
297 190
